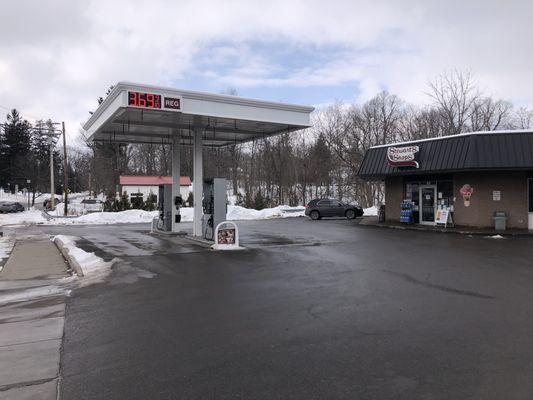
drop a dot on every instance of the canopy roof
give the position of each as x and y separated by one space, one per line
224 119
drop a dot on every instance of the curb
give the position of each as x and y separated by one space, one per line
460 232
74 264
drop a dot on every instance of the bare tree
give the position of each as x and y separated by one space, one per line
489 115
454 94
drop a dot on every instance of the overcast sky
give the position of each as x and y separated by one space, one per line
57 57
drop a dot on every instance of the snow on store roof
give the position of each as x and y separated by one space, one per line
407 142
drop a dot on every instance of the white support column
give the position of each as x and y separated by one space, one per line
176 172
198 181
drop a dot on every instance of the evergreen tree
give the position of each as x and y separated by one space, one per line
15 150
124 201
190 200
150 203
109 202
259 201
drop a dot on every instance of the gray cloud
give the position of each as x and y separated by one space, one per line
57 56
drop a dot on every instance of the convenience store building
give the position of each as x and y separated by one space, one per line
473 175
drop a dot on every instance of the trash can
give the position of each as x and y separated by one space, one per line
381 213
500 220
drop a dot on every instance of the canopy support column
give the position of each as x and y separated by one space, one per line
198 183
176 172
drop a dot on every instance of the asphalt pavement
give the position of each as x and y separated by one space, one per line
311 310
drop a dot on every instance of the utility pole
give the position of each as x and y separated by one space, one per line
28 181
65 171
52 186
52 135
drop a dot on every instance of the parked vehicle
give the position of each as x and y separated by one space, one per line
47 204
318 208
10 207
92 205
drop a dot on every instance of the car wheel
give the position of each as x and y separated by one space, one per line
314 215
350 214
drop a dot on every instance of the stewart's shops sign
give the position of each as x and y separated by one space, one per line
403 156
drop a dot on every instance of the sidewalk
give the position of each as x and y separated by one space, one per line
465 230
31 320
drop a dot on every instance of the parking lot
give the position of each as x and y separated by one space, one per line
311 310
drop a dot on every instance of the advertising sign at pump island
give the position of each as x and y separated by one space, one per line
403 156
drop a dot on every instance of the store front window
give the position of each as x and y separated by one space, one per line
427 197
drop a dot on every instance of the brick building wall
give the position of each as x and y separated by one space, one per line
393 197
513 188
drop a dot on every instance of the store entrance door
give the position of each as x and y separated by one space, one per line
428 194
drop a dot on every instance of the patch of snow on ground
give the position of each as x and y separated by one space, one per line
370 211
495 237
91 265
33 293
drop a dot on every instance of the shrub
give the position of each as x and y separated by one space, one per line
150 203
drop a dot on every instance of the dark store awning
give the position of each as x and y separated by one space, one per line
494 150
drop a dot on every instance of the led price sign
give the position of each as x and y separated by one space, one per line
145 100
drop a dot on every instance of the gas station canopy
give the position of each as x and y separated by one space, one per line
135 113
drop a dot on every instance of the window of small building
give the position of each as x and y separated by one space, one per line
412 192
445 193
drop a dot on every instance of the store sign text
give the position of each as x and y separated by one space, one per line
403 156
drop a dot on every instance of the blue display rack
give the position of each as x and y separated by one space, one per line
406 213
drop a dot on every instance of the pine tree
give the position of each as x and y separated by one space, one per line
15 149
259 201
125 201
109 202
149 204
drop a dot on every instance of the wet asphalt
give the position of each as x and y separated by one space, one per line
312 310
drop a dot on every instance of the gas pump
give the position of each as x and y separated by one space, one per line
214 205
165 204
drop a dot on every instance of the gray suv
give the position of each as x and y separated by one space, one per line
319 208
10 207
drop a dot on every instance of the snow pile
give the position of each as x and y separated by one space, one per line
236 213
22 218
128 216
141 216
91 265
370 211
6 245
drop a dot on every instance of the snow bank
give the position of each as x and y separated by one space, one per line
370 211
91 265
6 246
140 216
236 213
